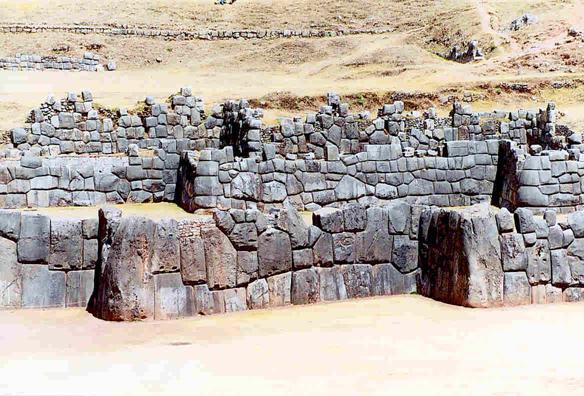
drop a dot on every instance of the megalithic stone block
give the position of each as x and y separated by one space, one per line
10 275
460 258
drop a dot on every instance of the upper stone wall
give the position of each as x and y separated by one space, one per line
168 34
211 178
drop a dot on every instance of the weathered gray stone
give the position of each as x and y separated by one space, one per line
235 300
460 260
354 217
192 260
289 220
279 287
344 248
573 294
244 236
258 295
332 285
220 258
302 258
305 287
247 267
274 252
10 224
79 286
10 275
404 254
358 280
125 287
539 267
388 281
576 222
399 216
524 219
517 290
66 245
350 188
42 288
165 247
329 220
374 245
561 273
204 304
513 254
33 245
323 250
505 221
172 299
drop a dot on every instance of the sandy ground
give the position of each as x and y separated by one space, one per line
404 345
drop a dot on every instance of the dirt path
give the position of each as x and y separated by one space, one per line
404 345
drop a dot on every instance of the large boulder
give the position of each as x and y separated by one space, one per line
460 257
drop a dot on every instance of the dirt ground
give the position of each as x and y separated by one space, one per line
404 345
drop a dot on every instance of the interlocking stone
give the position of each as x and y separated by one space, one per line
274 252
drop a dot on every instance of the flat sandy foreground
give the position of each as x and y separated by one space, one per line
404 345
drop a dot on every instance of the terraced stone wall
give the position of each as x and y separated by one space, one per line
212 179
245 259
32 181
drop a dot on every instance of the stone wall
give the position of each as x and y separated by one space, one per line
484 257
549 179
89 62
85 181
168 34
245 259
46 262
212 178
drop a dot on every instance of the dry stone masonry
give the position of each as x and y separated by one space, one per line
89 62
170 34
475 209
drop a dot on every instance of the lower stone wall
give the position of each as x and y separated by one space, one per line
484 257
46 262
244 259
